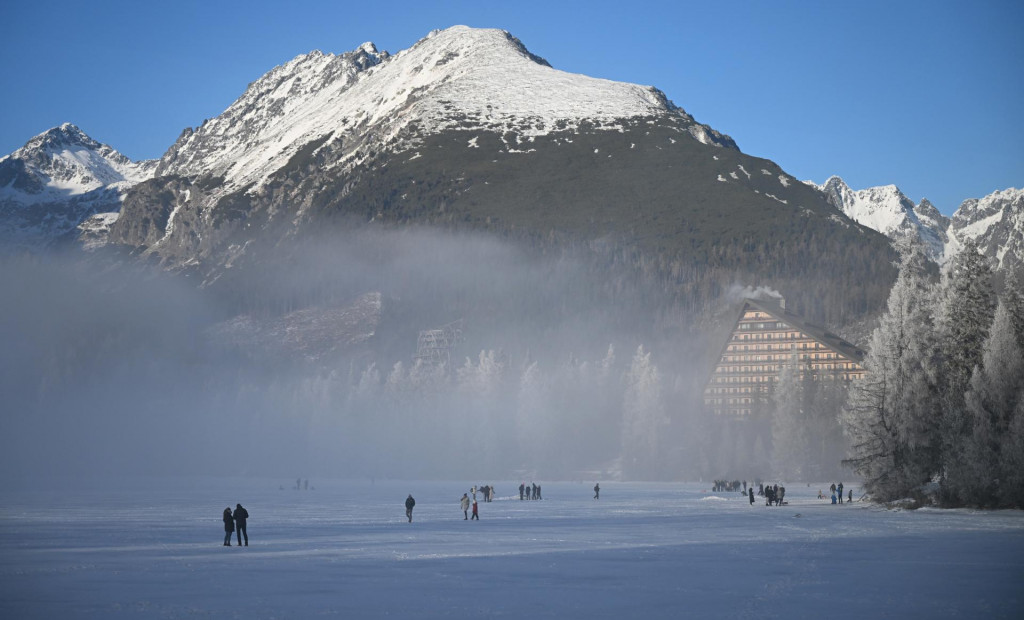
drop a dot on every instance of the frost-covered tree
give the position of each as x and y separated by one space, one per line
1013 299
993 396
790 437
1011 460
643 417
892 412
532 417
965 312
483 408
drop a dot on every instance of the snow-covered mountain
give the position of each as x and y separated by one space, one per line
57 180
469 130
455 78
887 210
995 222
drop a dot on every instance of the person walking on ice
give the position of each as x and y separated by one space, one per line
464 505
409 503
476 515
597 490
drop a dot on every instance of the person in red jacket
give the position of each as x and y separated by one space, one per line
476 515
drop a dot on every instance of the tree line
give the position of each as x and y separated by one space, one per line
940 411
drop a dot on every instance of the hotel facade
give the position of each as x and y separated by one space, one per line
764 340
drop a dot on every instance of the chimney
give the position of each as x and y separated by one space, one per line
782 302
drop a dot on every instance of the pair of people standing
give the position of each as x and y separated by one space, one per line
464 504
235 523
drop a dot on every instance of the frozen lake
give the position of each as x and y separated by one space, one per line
153 549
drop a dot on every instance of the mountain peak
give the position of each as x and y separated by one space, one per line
457 78
65 134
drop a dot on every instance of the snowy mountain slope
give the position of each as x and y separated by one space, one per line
458 77
64 162
887 210
57 180
995 222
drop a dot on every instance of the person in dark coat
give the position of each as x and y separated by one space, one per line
229 527
409 503
597 490
751 490
522 488
241 514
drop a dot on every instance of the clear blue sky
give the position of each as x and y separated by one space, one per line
925 95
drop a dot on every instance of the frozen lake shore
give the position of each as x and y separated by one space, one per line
153 549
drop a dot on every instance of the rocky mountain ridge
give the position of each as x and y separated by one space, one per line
995 222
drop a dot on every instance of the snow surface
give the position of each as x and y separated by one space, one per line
152 548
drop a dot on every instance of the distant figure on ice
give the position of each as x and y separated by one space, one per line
833 488
476 515
229 527
839 489
597 490
751 491
473 491
820 494
409 503
833 497
522 489
464 505
241 514
537 493
851 495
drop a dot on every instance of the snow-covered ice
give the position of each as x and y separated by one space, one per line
152 548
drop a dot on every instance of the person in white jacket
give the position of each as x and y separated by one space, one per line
464 504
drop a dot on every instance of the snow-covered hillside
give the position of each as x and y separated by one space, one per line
455 78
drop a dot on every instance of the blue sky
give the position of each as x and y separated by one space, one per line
925 95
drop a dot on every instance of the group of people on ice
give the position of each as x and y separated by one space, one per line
773 493
487 490
723 486
837 493
235 522
529 491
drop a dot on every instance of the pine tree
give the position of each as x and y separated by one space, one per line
890 417
790 433
964 318
643 416
992 398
